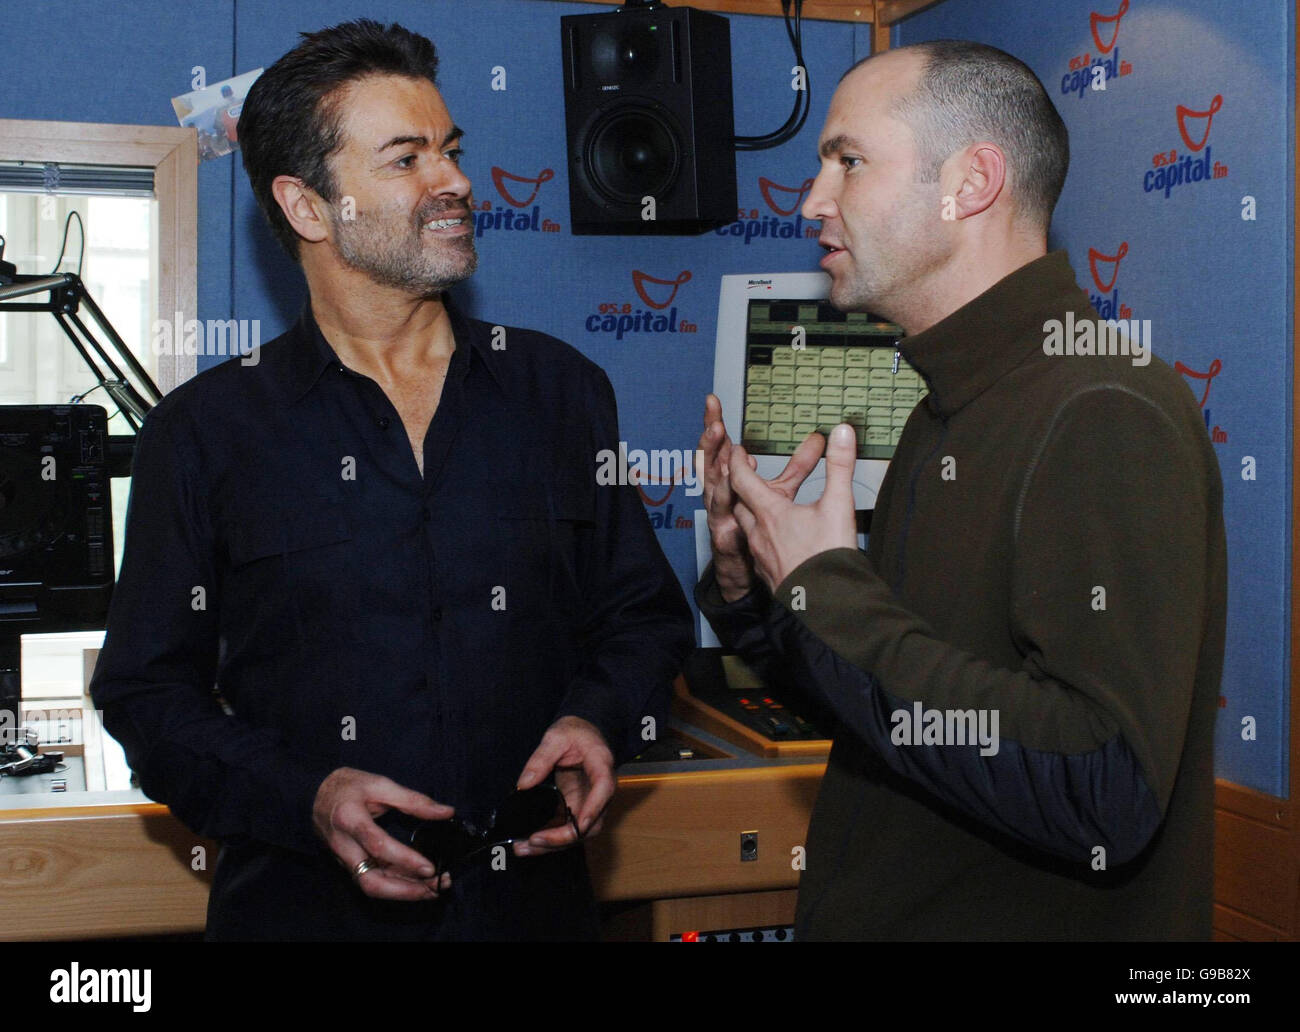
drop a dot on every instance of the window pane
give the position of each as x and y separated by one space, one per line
38 364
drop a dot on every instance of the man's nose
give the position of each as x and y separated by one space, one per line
448 180
819 204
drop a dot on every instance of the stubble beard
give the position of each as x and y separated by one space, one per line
405 261
885 280
867 287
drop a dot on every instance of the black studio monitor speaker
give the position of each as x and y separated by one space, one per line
647 102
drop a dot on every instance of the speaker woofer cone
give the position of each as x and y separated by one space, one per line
633 153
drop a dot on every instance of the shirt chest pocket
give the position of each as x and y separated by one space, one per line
293 577
548 529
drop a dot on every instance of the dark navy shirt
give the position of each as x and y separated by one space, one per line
295 597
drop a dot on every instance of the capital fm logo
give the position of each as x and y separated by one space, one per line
1200 382
1105 276
1171 169
520 212
656 489
1092 71
654 311
640 279
771 190
778 217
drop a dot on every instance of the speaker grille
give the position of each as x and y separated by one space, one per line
632 153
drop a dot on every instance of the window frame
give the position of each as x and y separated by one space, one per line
173 154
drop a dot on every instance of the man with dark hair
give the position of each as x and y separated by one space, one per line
371 579
1025 663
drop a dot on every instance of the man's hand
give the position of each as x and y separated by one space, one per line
781 535
584 773
347 803
732 565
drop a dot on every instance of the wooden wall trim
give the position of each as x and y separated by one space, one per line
1259 806
879 14
861 11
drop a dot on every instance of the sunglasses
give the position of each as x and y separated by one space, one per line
453 845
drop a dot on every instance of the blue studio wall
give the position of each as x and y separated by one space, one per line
1215 285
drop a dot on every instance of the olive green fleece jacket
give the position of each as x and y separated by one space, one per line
1025 664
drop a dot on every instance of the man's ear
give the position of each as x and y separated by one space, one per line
302 206
977 175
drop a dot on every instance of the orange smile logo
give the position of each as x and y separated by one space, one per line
1095 256
640 279
646 496
500 175
767 186
1185 112
1113 19
1208 376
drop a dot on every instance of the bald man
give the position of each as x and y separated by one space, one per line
1025 662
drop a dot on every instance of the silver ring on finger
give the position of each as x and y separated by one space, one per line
368 864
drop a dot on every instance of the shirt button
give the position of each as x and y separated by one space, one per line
426 514
383 422
437 614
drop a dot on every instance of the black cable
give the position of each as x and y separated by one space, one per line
77 399
803 98
81 258
787 132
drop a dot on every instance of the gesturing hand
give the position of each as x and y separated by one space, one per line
733 563
781 535
343 814
584 773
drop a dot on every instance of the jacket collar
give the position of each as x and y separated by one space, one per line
964 354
